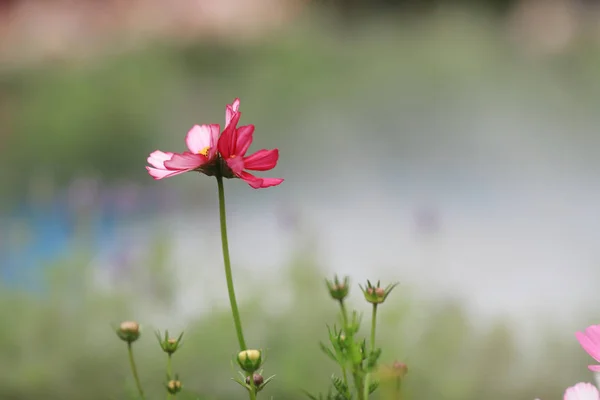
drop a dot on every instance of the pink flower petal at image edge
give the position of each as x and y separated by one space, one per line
582 391
201 141
590 341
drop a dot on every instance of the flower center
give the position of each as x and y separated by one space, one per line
204 151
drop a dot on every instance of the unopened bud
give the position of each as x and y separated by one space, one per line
250 360
129 331
257 378
376 294
174 386
169 344
393 372
338 290
400 369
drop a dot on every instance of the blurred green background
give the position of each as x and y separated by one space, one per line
448 146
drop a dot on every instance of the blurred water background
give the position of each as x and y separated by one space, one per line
450 146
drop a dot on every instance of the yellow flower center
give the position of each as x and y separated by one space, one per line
204 151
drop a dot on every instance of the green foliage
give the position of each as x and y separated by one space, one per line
68 334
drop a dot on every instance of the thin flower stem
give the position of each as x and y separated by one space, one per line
373 326
355 374
372 347
169 373
345 375
253 390
228 275
345 322
344 315
134 371
398 388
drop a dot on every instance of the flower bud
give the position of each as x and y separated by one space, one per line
129 331
169 345
250 360
377 294
400 369
338 290
394 372
257 378
174 386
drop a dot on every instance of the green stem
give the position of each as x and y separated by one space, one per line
345 322
252 391
169 373
355 373
371 348
344 315
134 370
373 326
345 376
228 275
398 389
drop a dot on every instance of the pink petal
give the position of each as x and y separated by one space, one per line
589 343
582 391
227 140
201 137
230 110
162 173
259 183
252 180
268 182
595 368
185 161
214 139
236 164
244 139
157 158
262 160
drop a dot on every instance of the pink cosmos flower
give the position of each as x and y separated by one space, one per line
201 141
204 145
582 391
590 341
233 146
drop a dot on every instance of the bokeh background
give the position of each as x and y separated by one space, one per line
451 146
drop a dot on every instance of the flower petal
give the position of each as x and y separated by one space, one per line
227 140
162 173
253 181
202 137
595 368
236 164
244 139
582 391
588 341
230 110
157 158
185 161
259 183
262 160
268 182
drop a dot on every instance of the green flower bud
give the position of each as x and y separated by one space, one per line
169 345
250 360
174 386
129 331
377 294
338 290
